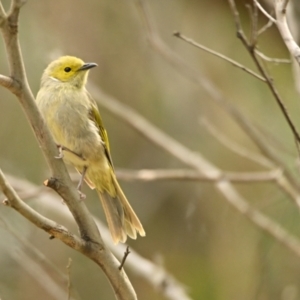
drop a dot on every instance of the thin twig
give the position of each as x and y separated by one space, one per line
264 11
216 95
269 81
265 27
233 62
272 59
233 146
126 253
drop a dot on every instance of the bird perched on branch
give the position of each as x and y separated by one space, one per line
76 126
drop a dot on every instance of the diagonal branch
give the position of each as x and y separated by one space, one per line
251 49
282 25
215 53
95 251
212 90
199 163
91 244
37 219
263 11
156 276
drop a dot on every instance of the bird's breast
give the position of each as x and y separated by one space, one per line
67 114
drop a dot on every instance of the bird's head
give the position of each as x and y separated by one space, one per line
68 69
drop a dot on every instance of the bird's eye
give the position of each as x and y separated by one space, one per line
67 69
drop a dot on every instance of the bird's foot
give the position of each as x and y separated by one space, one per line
79 186
82 196
63 148
60 152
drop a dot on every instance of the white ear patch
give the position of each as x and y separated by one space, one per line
54 79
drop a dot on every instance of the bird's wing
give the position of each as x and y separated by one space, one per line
95 116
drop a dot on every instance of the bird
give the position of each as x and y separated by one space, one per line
75 123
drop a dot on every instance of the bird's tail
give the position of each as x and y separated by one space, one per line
121 218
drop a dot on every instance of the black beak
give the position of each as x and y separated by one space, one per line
87 66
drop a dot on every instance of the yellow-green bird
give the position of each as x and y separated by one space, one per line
75 123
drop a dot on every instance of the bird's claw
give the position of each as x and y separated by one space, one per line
60 152
82 196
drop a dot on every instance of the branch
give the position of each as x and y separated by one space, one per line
231 61
199 163
234 147
95 251
209 87
153 274
251 49
282 25
54 229
126 253
19 85
91 243
272 59
190 175
8 83
264 12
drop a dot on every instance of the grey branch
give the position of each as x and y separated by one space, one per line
215 53
283 27
162 49
155 275
90 242
200 164
191 175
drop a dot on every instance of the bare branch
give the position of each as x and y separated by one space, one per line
91 243
155 275
126 253
264 11
9 83
152 133
192 159
161 174
231 61
269 81
216 95
282 25
95 251
265 27
272 59
233 146
262 221
40 221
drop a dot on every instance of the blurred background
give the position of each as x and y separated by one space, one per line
215 252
